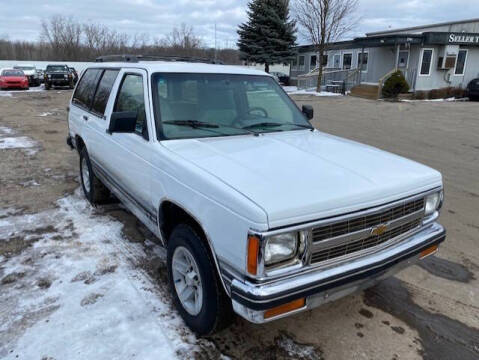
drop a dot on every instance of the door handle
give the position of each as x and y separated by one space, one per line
85 117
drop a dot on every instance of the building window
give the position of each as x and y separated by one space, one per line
324 60
313 61
426 62
363 61
461 62
301 63
347 61
294 63
403 59
337 61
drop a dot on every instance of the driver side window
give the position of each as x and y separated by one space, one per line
131 98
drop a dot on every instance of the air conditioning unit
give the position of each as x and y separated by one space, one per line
447 57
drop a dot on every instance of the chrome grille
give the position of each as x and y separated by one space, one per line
364 222
353 235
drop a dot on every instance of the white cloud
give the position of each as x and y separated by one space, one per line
21 20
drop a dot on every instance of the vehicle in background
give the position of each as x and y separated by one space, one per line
282 77
58 75
30 72
472 90
40 74
74 74
13 79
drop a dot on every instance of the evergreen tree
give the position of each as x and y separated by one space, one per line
269 35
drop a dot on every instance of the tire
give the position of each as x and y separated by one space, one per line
95 192
215 312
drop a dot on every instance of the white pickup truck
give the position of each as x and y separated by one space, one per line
261 214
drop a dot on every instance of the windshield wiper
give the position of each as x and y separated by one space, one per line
192 123
302 126
196 124
262 125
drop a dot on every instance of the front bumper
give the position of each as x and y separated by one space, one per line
59 82
251 300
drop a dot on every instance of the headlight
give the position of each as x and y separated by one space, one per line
280 248
66 76
433 202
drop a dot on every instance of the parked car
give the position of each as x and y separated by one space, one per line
261 214
40 74
30 72
74 74
472 90
13 79
282 77
58 75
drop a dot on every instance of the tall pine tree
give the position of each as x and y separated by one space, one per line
269 35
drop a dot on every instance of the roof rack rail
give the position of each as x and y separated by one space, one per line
138 58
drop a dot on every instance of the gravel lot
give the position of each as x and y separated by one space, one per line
64 266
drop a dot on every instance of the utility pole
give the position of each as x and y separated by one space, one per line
216 54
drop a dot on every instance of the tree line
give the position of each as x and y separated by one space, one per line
64 39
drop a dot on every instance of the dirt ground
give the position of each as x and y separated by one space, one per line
429 312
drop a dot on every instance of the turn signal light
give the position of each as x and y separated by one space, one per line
285 308
429 251
253 250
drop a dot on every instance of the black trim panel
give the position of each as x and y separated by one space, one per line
263 303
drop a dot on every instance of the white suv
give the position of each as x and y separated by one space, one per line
261 214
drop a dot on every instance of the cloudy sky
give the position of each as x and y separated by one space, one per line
20 19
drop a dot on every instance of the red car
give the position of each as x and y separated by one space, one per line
13 79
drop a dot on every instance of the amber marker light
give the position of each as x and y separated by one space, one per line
253 250
285 308
429 251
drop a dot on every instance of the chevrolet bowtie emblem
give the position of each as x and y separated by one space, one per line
379 230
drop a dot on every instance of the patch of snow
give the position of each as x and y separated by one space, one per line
6 131
78 291
21 142
293 90
452 99
5 94
45 114
29 183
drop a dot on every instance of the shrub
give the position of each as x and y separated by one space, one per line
395 85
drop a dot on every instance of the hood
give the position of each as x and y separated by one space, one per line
12 78
30 72
300 176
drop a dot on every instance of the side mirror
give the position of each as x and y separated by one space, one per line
122 122
308 111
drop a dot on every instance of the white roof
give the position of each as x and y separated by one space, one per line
181 67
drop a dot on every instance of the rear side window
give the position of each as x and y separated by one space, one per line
103 92
86 88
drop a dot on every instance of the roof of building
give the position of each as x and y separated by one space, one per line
390 31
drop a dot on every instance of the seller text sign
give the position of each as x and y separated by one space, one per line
463 39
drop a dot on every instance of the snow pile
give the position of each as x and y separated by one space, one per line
78 289
452 99
5 94
293 90
20 142
45 114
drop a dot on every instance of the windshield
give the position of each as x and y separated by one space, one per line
12 73
57 68
24 67
207 105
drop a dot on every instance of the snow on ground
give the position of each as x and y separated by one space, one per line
72 289
293 90
7 141
10 93
452 99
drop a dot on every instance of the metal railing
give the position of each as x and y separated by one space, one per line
331 79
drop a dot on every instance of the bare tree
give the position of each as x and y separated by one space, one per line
183 38
325 21
63 35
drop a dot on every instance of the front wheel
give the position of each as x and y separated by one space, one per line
198 294
94 190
